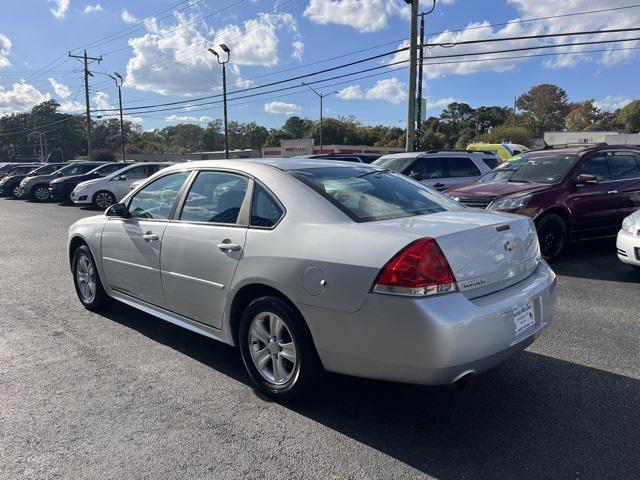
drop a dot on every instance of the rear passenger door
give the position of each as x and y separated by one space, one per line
625 169
428 170
459 170
202 246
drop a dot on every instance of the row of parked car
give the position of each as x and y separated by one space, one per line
572 194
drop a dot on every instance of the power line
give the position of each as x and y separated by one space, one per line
375 57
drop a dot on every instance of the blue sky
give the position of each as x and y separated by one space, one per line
164 57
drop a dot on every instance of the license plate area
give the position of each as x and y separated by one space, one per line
524 317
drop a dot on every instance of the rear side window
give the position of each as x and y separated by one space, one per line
492 162
215 197
461 167
265 211
140 172
623 165
368 195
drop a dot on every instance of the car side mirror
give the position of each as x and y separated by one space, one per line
117 210
586 179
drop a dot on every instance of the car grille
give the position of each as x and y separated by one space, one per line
476 202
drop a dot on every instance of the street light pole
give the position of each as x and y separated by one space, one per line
321 96
119 81
224 92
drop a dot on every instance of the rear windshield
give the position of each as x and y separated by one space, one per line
543 169
368 195
397 164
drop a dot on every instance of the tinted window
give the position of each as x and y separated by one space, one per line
623 165
461 167
19 171
265 211
543 168
76 169
596 165
108 169
427 168
46 170
215 197
368 195
157 198
492 162
516 152
140 172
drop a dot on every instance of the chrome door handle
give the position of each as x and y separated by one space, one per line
150 236
228 246
610 192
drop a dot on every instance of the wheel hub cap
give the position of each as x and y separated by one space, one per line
86 278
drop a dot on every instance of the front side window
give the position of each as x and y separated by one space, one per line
157 199
623 164
462 167
427 168
76 169
215 197
368 195
596 165
108 169
140 172
265 211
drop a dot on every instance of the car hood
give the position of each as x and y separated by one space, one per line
496 189
39 178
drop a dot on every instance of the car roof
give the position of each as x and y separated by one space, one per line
284 164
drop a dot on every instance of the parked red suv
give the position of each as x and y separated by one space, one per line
571 193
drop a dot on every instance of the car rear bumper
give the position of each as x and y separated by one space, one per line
628 247
431 341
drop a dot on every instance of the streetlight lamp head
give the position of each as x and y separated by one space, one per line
118 75
213 51
225 48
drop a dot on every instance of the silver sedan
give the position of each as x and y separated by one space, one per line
312 266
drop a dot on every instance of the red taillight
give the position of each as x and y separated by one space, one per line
420 269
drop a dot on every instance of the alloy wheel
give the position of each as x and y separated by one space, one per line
16 191
104 200
86 278
552 240
272 348
41 193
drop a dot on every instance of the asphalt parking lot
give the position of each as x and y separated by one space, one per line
124 395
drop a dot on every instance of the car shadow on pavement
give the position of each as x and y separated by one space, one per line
596 260
532 417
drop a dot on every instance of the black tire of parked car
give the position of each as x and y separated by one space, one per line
102 198
40 193
308 369
553 235
15 191
100 298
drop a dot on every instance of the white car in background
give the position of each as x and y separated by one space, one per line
628 242
104 192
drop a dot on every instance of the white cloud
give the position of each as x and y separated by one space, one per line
281 108
352 92
60 9
21 97
128 17
297 50
363 15
61 89
173 118
93 8
611 103
440 102
390 89
5 49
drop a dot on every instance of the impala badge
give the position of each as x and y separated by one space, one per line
510 246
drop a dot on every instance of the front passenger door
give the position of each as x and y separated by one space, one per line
200 251
131 246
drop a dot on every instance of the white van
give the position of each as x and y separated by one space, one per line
104 192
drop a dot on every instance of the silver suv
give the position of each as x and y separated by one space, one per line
440 169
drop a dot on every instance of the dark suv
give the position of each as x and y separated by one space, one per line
61 188
571 193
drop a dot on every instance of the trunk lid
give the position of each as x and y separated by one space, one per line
487 251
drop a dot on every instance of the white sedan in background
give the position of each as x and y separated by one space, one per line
628 243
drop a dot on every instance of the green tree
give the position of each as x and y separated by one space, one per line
519 135
546 106
629 117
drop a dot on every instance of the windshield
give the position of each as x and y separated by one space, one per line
108 169
544 169
47 169
19 171
368 195
397 164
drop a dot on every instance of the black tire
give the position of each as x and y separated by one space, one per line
306 370
101 198
99 299
15 191
553 235
41 193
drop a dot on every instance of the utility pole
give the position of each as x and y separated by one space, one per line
87 73
224 92
418 142
413 60
321 96
40 134
118 79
